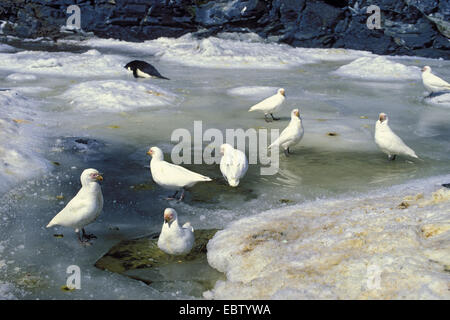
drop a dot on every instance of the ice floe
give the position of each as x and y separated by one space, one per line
252 91
117 95
442 99
378 68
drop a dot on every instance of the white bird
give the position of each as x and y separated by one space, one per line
84 208
388 141
292 134
171 176
175 239
270 105
233 164
433 83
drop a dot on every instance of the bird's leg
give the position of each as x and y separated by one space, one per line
392 157
88 236
274 117
266 118
182 195
172 197
80 240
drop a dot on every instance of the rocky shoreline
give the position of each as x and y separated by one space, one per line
408 27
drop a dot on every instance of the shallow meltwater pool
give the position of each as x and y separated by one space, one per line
71 106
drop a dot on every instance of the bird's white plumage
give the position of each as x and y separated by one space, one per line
432 82
142 74
171 176
233 164
85 207
271 104
388 141
292 134
175 239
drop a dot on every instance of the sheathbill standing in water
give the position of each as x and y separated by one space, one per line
388 141
171 176
270 105
291 135
84 208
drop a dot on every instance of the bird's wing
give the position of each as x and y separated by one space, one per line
286 135
78 206
174 174
188 226
434 80
395 143
267 103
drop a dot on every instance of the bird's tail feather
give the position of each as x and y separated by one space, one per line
51 224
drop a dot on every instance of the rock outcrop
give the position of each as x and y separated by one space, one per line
408 27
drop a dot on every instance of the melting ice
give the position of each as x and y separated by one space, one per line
324 217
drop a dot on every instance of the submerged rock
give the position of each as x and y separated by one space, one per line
142 260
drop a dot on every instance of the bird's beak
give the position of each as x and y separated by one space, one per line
423 69
149 153
297 114
283 94
99 177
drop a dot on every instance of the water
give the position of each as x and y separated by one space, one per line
84 92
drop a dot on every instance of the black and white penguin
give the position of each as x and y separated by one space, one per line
142 69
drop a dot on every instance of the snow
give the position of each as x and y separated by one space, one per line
363 247
378 68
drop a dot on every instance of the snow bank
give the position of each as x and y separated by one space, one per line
117 95
378 68
376 246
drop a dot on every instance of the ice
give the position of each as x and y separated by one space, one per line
5 48
63 64
118 95
339 248
253 91
85 110
20 77
225 52
20 157
378 68
440 99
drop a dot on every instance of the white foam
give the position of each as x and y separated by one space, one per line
378 68
338 249
117 95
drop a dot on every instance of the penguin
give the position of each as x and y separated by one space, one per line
142 69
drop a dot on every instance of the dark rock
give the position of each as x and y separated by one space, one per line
411 27
142 260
